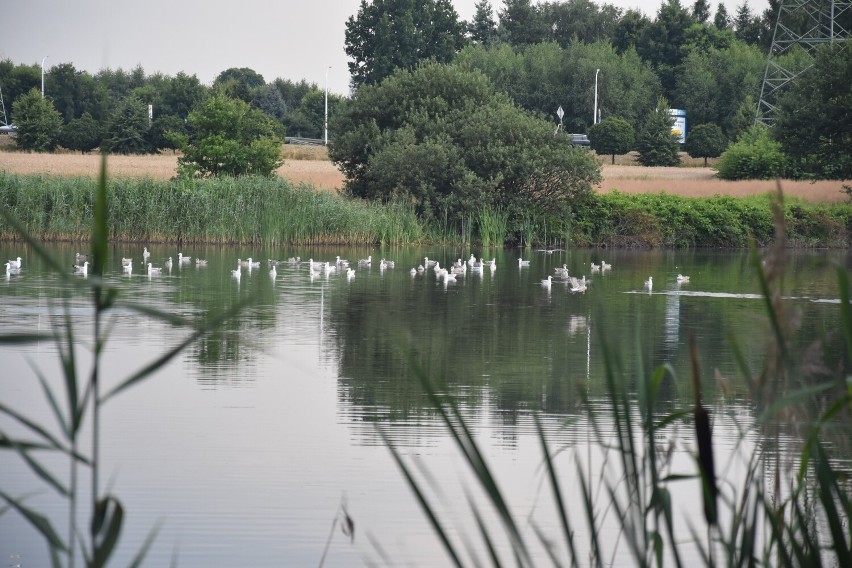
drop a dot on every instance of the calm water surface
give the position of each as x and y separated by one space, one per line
243 448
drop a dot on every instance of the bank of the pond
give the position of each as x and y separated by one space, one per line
275 211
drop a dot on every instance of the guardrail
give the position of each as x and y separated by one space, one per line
303 141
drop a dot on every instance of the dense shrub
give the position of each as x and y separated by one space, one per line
754 156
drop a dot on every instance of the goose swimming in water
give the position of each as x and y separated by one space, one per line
82 269
681 279
522 263
16 264
365 261
200 262
183 259
128 268
126 261
649 283
145 254
168 264
154 269
547 282
605 266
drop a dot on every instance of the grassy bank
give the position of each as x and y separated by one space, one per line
663 220
274 211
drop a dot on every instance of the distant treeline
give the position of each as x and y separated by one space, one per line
705 61
271 211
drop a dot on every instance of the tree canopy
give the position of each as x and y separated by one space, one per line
612 136
39 123
443 138
229 138
814 118
388 34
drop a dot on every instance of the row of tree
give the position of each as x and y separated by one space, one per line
110 109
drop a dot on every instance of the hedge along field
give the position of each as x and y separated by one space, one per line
266 211
662 220
272 211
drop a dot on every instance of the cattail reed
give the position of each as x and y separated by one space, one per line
704 435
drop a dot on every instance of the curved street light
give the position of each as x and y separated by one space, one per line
595 111
42 76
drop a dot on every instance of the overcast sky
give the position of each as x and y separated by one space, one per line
291 39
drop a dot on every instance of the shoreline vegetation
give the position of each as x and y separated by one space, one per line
276 211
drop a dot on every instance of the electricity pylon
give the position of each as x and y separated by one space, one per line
807 24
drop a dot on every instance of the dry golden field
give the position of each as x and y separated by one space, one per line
310 165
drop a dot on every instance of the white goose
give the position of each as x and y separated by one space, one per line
200 262
82 269
649 283
547 282
237 273
168 264
365 261
183 259
125 261
152 270
128 268
522 263
145 254
350 273
273 273
605 266
681 279
15 264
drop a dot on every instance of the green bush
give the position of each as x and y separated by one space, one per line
754 156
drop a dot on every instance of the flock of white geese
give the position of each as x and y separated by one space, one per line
447 274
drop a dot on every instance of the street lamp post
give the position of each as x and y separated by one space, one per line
42 76
595 111
326 104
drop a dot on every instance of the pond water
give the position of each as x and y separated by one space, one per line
244 448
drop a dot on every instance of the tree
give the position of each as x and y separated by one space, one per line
612 136
746 26
17 81
388 34
701 11
179 95
721 20
521 23
814 118
229 138
662 41
83 134
238 82
628 30
165 131
442 138
38 122
482 29
127 128
656 144
706 141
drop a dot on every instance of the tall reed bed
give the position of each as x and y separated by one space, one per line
266 211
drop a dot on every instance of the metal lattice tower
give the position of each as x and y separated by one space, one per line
807 24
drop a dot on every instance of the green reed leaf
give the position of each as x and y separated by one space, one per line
24 338
107 521
421 498
40 522
561 508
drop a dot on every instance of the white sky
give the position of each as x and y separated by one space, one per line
291 39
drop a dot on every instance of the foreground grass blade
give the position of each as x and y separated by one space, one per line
40 522
421 498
